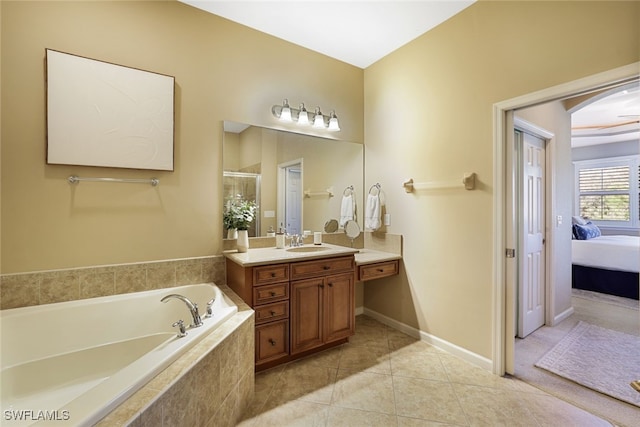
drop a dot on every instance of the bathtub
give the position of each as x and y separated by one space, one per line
71 363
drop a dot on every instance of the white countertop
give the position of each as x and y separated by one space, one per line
262 256
371 256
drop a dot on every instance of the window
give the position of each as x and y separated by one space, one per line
607 191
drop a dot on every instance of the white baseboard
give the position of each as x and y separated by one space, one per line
560 317
359 310
453 349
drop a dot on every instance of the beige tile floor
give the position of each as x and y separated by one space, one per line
383 377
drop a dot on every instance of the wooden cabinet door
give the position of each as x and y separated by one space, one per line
272 341
306 314
339 308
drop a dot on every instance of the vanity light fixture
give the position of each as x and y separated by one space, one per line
302 117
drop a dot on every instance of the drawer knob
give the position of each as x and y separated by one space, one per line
381 270
272 341
326 267
272 293
273 274
273 313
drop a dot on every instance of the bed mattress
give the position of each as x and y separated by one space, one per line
620 253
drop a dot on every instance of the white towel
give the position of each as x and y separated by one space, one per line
347 209
372 213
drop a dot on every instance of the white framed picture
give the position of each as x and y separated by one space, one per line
102 114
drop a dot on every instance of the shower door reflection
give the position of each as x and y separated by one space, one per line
243 186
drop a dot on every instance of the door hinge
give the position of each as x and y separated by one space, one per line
510 253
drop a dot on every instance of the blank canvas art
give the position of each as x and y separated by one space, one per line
101 114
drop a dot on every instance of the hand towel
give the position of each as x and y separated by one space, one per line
372 213
347 209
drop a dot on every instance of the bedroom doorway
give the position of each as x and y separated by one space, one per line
505 264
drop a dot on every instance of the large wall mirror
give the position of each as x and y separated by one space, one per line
297 181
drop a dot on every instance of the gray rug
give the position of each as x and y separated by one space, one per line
601 359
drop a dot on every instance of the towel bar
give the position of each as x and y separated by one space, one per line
327 192
468 182
74 179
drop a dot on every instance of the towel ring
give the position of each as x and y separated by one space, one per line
349 189
377 187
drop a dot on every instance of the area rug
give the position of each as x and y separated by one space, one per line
601 359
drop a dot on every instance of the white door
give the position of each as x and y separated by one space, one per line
293 200
532 269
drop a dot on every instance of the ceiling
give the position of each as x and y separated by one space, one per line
613 116
361 32
357 32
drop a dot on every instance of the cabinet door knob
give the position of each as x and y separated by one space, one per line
272 341
322 286
331 285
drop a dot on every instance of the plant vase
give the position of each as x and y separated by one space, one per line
243 240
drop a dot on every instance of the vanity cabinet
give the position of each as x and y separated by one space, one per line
322 311
300 307
378 270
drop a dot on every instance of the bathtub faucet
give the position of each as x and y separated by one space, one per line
193 308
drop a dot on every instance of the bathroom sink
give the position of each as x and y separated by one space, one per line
308 249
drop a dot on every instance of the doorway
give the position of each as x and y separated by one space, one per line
289 195
505 268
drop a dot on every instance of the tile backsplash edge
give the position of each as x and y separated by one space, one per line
51 286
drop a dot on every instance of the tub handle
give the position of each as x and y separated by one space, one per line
210 309
182 332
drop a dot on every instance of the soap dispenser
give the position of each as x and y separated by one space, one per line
271 232
280 238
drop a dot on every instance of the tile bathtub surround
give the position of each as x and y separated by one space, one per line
383 377
45 287
210 385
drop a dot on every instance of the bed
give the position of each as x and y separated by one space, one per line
607 264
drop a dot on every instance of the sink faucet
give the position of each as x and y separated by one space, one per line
296 240
193 308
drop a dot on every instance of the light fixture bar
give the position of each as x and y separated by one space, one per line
303 117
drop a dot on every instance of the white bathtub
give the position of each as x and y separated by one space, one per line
71 363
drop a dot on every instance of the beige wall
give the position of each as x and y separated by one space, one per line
223 71
428 116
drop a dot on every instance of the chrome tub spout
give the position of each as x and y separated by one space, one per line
193 308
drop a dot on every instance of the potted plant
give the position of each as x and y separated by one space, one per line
239 215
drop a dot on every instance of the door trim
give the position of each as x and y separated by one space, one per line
501 210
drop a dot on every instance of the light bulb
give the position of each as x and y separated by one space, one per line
285 114
333 122
303 117
318 120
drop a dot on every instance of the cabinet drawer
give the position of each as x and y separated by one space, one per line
270 274
270 293
378 270
271 312
272 341
323 267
